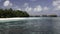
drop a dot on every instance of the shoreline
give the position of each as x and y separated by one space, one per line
21 18
18 18
15 19
11 19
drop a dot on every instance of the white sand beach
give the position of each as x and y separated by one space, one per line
17 18
10 19
14 19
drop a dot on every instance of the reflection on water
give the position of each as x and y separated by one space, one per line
42 25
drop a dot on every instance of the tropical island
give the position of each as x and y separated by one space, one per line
9 13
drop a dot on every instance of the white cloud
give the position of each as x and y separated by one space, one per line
56 4
28 8
46 8
38 8
7 3
57 8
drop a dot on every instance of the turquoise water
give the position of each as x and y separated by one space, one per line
39 25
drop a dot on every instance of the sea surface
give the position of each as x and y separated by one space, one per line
35 25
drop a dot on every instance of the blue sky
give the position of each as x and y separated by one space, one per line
33 7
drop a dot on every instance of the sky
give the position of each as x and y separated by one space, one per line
33 7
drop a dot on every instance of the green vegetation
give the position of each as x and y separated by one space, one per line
7 13
44 15
35 16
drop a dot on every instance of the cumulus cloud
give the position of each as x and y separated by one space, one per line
28 8
38 8
46 8
56 4
57 8
7 3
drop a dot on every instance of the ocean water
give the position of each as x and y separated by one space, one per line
37 25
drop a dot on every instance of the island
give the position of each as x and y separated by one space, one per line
8 13
51 15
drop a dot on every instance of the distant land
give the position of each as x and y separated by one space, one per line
9 13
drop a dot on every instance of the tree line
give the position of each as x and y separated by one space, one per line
53 15
7 13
